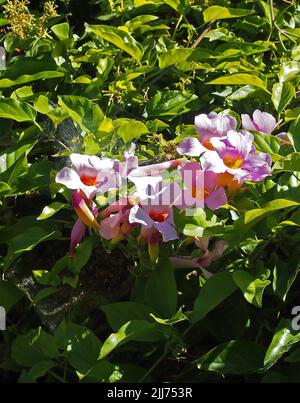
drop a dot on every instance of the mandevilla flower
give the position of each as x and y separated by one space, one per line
213 125
155 213
261 121
235 155
83 211
77 235
115 223
90 174
200 187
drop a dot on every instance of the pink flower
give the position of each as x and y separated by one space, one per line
235 154
77 235
261 121
213 125
202 262
115 224
83 211
155 212
200 188
214 254
90 174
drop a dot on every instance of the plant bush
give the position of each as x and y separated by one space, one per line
132 91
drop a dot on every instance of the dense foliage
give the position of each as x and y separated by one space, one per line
94 80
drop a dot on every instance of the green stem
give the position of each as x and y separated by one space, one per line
59 378
177 26
160 359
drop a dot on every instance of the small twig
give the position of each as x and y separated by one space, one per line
202 36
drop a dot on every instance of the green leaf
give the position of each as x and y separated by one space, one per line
221 13
182 6
10 295
52 209
83 111
119 38
294 134
28 238
169 104
174 56
243 225
180 55
133 330
237 357
288 71
251 287
282 94
62 31
27 78
40 369
129 129
240 79
284 275
79 344
16 110
119 313
290 163
266 143
283 340
161 289
41 104
34 347
82 255
216 289
200 223
102 371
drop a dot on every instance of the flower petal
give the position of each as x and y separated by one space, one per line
265 122
77 234
167 231
191 147
138 215
69 178
214 125
109 228
211 161
216 199
247 122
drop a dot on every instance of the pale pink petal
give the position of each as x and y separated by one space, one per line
211 161
69 178
216 199
82 162
242 142
167 231
154 169
191 147
215 254
139 216
264 121
77 235
247 122
214 125
110 227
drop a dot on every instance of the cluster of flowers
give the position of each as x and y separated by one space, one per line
211 168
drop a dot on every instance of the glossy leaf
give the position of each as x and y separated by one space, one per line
284 338
119 38
235 357
216 289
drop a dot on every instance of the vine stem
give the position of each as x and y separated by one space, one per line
157 362
202 36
